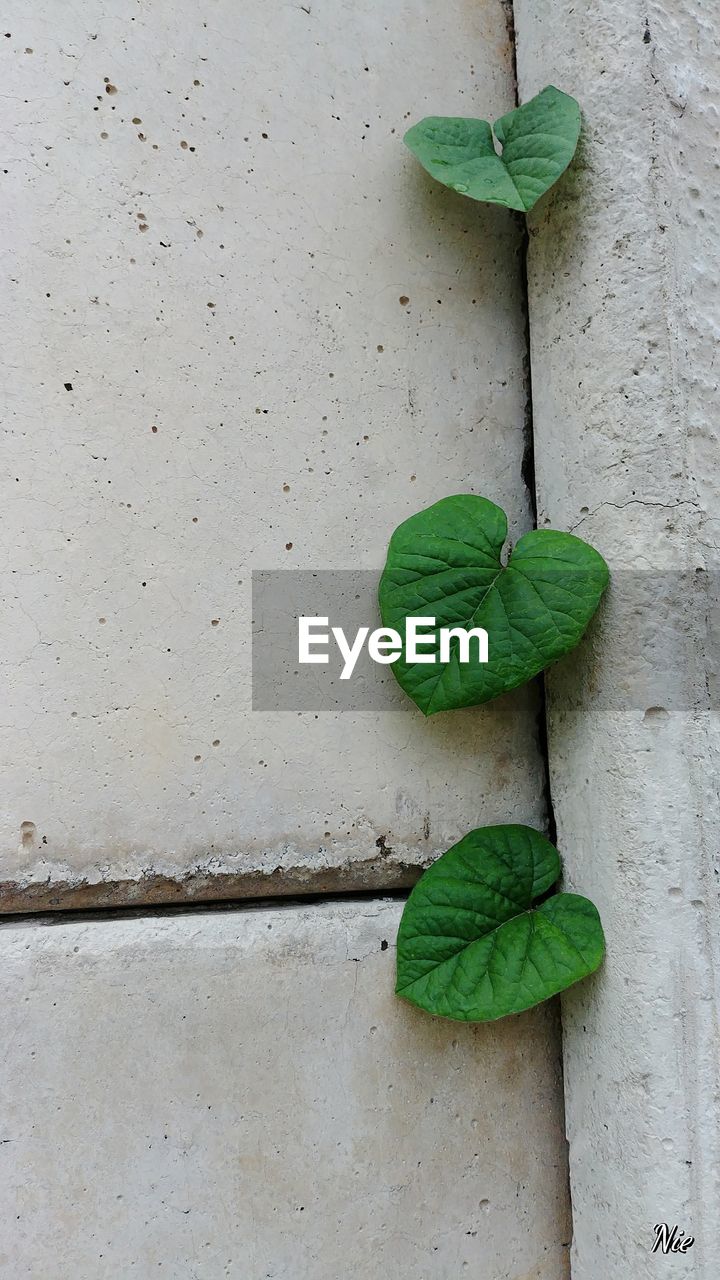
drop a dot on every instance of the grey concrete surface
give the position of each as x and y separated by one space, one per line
623 278
242 329
241 1094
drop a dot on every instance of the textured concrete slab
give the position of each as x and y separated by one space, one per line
623 276
242 330
240 1094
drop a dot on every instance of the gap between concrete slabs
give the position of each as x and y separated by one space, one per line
196 888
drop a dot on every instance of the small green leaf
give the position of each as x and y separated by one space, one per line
538 142
445 563
470 945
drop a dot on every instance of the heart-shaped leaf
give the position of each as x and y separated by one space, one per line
538 142
444 563
470 945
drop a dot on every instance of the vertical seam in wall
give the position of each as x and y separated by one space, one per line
528 475
529 478
527 468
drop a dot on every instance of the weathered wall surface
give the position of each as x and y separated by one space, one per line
241 1094
624 330
242 330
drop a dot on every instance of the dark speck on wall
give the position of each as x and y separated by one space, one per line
68 386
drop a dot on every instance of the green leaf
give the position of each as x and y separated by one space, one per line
445 563
538 142
470 945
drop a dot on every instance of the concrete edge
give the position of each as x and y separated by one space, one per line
373 876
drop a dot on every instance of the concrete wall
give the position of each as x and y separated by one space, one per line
240 1094
245 331
623 278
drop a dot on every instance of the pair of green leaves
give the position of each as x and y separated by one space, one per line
470 946
538 142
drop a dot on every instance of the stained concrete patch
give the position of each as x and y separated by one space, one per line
243 330
240 1094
